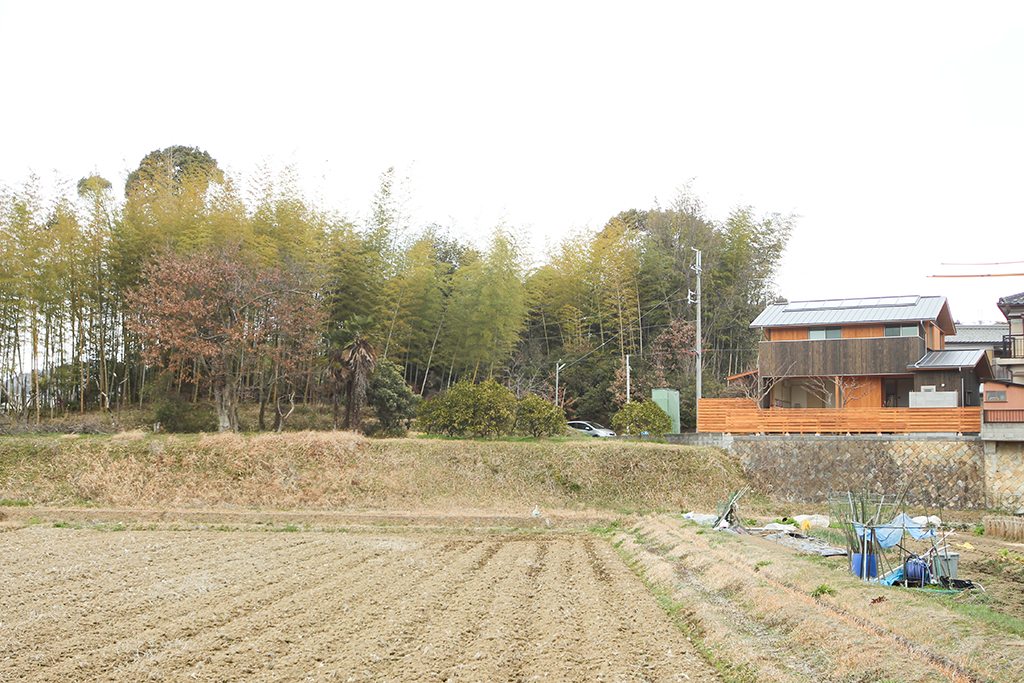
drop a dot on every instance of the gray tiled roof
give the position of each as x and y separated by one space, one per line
1012 300
979 334
949 359
891 309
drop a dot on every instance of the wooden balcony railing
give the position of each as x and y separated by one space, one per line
742 416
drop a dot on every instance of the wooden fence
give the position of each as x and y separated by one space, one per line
742 416
1007 527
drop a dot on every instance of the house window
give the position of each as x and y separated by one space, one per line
901 330
995 397
825 333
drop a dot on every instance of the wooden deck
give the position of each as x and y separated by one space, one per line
742 416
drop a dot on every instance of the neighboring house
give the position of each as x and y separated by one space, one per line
1004 411
987 337
1011 357
1004 396
1001 394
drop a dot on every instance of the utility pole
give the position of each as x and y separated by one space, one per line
696 267
558 366
627 378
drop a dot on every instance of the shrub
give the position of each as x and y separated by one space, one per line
391 399
494 409
640 417
175 414
537 417
481 409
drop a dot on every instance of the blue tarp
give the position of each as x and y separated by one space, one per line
892 577
888 535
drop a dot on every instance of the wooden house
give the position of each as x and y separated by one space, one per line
859 365
865 353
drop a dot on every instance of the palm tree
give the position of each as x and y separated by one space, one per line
352 366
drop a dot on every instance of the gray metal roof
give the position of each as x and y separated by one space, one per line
949 359
979 334
890 309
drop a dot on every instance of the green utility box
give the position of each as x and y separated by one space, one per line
668 400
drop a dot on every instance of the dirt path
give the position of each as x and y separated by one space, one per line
82 604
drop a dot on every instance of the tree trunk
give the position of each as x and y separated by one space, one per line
349 391
261 423
225 398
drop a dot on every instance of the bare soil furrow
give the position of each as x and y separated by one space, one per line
367 636
140 627
89 605
299 629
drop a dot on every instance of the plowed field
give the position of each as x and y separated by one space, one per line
87 605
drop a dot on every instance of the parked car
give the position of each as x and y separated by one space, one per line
590 428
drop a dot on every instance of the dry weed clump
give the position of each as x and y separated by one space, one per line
129 435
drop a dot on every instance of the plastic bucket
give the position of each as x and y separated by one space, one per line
946 564
870 571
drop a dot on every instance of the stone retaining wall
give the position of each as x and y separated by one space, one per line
1004 468
943 472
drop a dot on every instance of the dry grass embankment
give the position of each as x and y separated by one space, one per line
342 471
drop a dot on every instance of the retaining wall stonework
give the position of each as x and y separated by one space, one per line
942 472
1004 468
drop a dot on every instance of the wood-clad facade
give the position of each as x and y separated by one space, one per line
837 357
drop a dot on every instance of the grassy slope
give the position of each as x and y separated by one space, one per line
332 470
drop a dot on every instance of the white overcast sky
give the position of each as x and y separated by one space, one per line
894 129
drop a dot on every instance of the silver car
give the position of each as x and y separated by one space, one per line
590 428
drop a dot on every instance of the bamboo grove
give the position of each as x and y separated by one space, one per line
271 286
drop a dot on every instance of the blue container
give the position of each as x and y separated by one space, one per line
916 571
856 562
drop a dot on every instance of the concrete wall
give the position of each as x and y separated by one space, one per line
933 399
942 471
714 439
1002 431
